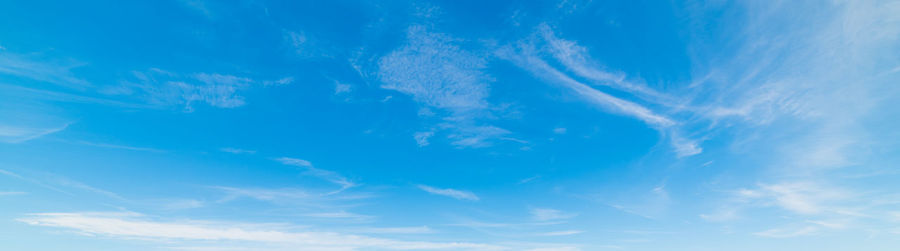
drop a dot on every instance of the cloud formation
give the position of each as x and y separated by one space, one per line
165 88
437 73
452 193
119 225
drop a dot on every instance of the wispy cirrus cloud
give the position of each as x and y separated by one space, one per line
61 184
115 146
39 68
528 60
232 193
131 226
577 59
15 134
330 176
236 150
811 100
548 214
164 88
452 193
395 230
530 54
561 233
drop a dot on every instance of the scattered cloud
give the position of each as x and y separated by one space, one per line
10 193
452 193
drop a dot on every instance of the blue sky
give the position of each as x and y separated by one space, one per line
449 125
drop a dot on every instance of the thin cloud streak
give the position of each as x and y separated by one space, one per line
330 176
117 225
541 69
452 193
14 135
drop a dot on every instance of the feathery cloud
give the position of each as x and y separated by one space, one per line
330 176
40 69
547 214
165 88
117 225
438 73
452 193
13 134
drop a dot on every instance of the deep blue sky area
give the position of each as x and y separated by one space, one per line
449 125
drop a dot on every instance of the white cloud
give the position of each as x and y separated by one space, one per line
233 193
453 193
40 69
130 226
341 88
541 69
395 230
236 150
306 45
788 232
436 72
294 162
337 215
547 214
308 202
528 54
477 136
58 183
556 249
330 176
182 204
559 130
577 59
561 233
797 197
13 134
165 88
124 147
422 138
9 193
